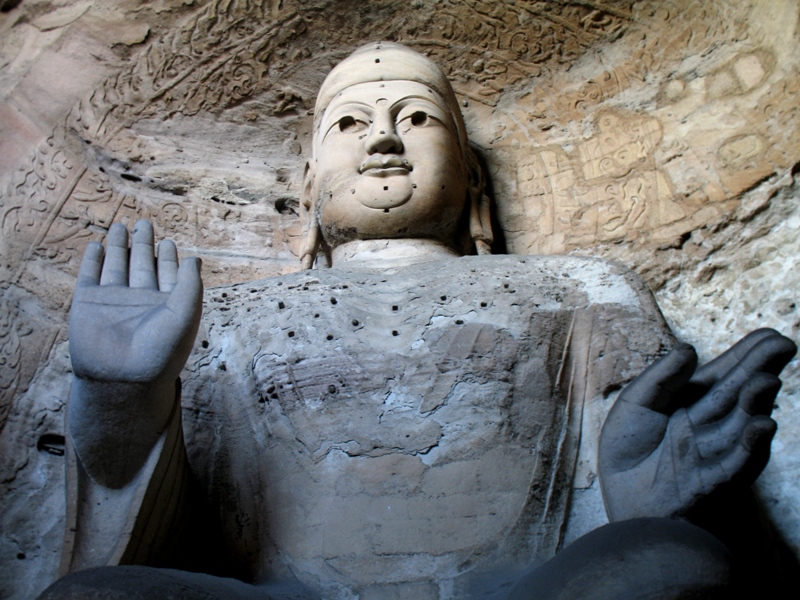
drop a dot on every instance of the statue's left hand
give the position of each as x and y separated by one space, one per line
677 434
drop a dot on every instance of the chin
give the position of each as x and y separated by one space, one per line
342 224
360 208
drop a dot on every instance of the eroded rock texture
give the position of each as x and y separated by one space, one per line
659 134
410 430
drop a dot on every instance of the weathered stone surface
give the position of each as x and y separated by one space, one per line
408 426
660 134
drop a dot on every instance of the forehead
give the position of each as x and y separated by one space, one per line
393 90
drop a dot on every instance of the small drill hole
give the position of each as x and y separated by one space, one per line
331 389
395 307
443 298
51 443
386 187
333 300
329 337
281 305
354 322
386 210
395 333
291 334
204 343
483 305
377 60
459 322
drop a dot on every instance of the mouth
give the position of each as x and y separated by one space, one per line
378 166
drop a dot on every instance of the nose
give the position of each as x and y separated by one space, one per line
383 138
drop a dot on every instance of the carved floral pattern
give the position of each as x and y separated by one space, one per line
230 51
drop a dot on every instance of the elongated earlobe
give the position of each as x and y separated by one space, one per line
308 217
480 207
480 223
310 247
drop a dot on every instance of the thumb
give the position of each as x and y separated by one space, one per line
657 388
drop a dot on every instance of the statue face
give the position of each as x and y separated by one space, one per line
388 165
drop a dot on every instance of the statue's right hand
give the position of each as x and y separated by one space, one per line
134 320
132 326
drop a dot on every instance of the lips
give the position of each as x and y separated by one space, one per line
383 166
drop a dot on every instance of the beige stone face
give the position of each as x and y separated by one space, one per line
388 165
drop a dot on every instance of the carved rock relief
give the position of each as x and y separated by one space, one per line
608 127
252 63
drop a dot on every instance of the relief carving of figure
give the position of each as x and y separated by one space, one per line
415 421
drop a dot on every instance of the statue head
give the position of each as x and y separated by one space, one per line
390 158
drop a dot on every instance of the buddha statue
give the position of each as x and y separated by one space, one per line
416 420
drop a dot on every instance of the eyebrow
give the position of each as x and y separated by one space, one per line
417 97
361 105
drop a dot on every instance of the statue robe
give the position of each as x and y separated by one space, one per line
413 426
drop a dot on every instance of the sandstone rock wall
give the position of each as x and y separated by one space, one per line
662 134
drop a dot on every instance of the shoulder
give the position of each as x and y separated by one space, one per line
586 281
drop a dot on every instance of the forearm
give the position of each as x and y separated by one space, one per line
113 426
136 522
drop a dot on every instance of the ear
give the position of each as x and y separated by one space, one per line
480 207
480 223
308 217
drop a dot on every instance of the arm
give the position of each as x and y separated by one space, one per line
132 325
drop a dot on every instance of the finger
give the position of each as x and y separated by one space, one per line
115 266
187 298
744 463
711 372
143 266
167 265
769 356
656 388
757 396
756 399
92 263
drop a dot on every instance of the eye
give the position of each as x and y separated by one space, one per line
419 118
348 124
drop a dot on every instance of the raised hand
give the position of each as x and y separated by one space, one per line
132 325
677 434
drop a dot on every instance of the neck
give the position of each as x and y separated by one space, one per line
390 253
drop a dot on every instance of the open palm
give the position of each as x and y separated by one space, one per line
134 320
677 434
131 329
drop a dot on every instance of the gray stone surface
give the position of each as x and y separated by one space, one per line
662 135
413 425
